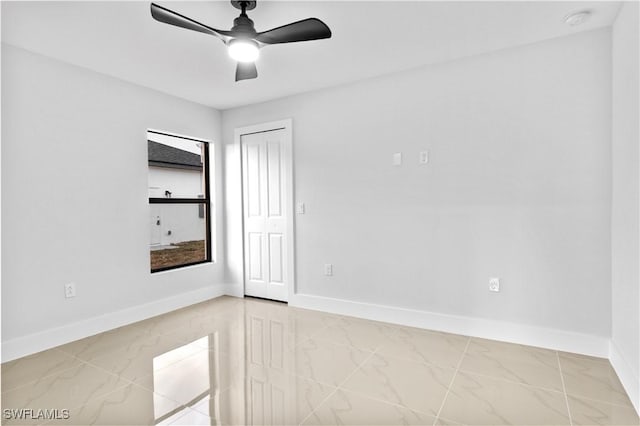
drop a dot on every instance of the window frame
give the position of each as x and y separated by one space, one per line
205 201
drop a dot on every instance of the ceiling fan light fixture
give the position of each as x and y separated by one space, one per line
244 50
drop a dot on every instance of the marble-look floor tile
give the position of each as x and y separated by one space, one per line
347 408
589 412
301 322
362 334
325 361
441 349
67 389
103 343
199 317
522 364
227 407
592 378
306 324
235 361
205 325
219 335
271 335
129 405
201 373
411 384
325 317
151 353
446 422
167 323
189 417
24 370
268 398
479 400
222 305
193 324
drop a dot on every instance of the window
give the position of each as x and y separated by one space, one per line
179 201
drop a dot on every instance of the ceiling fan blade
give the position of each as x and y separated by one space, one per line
162 14
246 71
307 29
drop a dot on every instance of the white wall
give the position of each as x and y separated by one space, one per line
625 224
517 186
74 200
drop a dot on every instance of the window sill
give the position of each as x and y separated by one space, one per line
186 265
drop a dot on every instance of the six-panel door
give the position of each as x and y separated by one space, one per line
264 195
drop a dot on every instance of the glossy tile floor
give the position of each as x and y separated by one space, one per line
249 362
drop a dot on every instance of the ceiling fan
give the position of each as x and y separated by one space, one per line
243 41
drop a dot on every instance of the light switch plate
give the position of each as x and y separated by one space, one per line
300 208
424 157
69 290
397 159
328 269
494 284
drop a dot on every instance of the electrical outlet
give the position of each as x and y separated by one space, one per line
328 269
69 290
494 284
424 157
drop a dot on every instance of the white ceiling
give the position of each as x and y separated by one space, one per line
369 39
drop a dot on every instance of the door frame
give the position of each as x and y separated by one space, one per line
287 145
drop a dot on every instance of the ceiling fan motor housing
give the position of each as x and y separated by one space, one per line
248 5
243 27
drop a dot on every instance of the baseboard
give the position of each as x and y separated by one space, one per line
627 374
36 342
477 327
235 290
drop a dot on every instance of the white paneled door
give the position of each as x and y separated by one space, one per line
265 159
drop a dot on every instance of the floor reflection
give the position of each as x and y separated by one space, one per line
189 371
240 373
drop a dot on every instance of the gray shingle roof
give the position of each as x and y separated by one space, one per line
161 155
